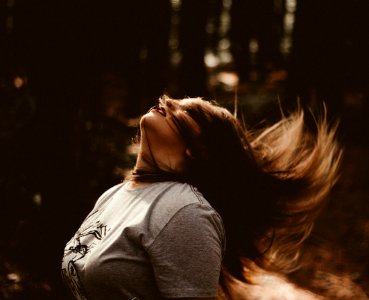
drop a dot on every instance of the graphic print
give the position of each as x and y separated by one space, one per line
87 236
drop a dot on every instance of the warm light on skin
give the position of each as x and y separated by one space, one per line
161 143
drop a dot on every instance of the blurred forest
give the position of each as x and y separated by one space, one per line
76 75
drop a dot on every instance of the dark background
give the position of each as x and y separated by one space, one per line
75 75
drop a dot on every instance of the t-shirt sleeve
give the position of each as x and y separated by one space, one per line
186 255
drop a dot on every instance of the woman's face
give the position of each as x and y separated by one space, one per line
161 142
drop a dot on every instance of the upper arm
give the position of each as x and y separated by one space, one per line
187 255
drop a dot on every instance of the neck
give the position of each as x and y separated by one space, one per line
145 162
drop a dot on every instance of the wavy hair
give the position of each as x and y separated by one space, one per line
268 185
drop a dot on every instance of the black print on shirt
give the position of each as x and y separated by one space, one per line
82 242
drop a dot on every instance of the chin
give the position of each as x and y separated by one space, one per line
146 118
152 119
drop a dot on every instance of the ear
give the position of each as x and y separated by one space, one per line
188 153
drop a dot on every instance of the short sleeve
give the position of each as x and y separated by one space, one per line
187 254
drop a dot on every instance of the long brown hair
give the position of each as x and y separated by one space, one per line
268 185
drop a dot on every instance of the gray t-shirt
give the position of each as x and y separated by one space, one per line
160 240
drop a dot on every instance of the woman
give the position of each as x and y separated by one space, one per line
205 198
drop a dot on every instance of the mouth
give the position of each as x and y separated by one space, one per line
159 109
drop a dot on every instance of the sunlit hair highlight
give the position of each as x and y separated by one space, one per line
306 165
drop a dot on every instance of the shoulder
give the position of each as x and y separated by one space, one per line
107 195
182 193
180 202
174 196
